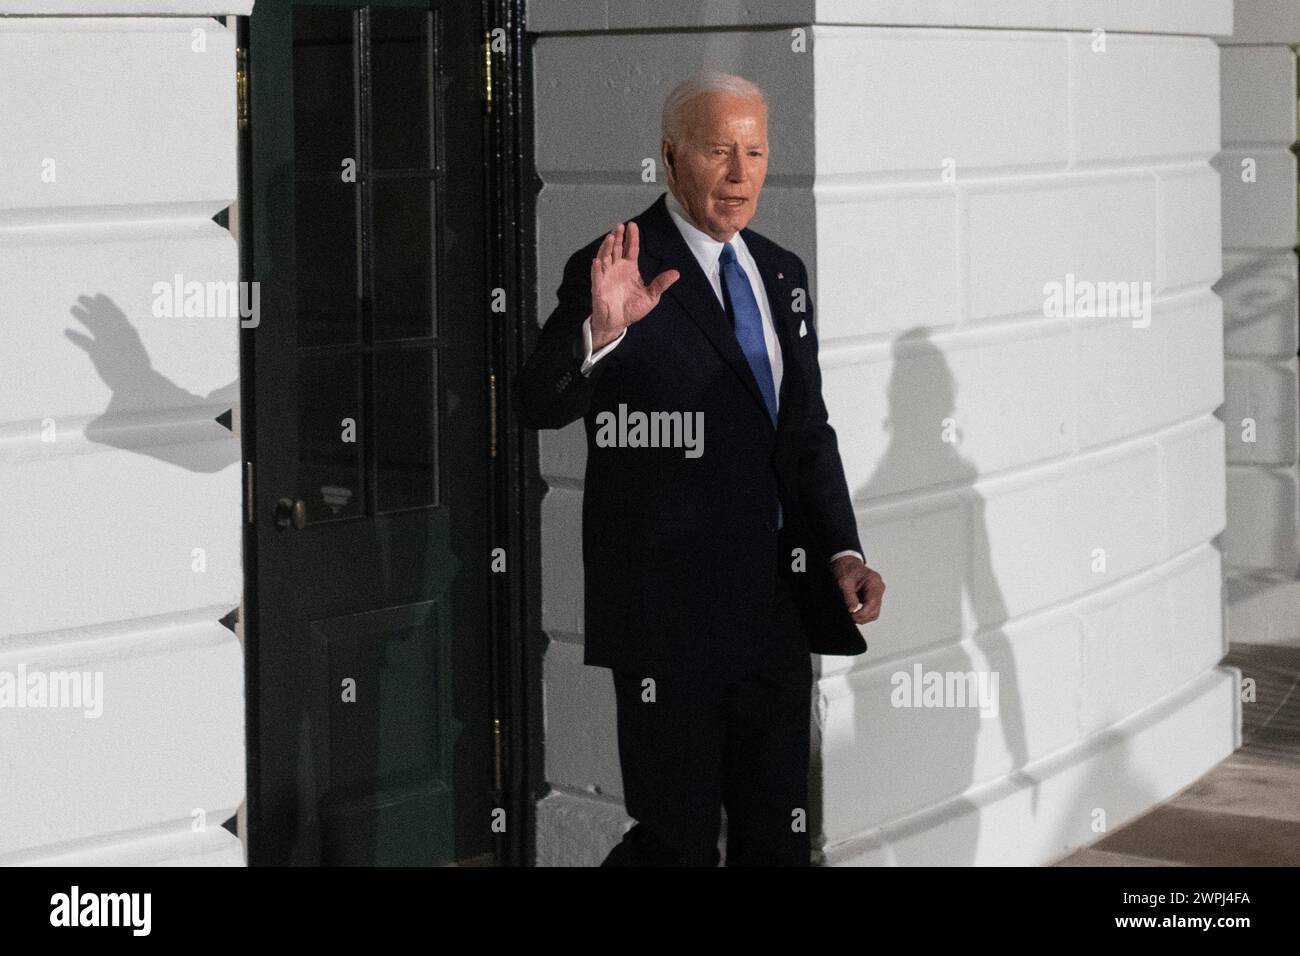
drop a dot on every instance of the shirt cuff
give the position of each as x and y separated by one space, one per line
591 360
840 554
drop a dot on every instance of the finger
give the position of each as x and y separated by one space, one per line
850 595
867 612
85 341
875 598
633 250
603 252
616 247
660 283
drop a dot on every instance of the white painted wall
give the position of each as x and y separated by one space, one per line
1075 434
121 546
1261 544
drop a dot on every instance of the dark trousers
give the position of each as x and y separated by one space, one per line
702 745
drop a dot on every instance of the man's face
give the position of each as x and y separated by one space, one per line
718 171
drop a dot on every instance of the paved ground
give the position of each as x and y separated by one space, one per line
1244 812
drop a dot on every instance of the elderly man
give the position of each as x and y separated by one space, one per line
718 537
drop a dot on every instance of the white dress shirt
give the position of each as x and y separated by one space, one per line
708 252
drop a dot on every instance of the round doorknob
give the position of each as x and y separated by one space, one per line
289 512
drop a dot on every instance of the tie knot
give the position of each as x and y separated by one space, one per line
728 254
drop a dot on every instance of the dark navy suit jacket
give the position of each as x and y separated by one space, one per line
679 552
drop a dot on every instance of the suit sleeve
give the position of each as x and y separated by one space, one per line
823 491
552 389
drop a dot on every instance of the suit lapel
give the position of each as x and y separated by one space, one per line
662 247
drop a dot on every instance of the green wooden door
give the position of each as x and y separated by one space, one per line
370 700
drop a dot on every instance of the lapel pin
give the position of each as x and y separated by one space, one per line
780 275
803 328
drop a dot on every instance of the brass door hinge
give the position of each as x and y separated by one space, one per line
487 71
498 761
241 88
492 415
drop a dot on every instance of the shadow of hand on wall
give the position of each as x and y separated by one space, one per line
148 413
1256 294
922 422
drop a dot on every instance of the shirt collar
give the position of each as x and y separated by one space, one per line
705 247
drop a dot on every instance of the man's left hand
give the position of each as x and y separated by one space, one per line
863 588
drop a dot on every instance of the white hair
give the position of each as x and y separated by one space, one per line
672 122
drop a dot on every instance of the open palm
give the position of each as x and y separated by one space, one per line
619 297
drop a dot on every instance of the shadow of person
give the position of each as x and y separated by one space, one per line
924 442
145 403
1258 300
1113 790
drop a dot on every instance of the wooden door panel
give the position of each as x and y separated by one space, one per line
370 683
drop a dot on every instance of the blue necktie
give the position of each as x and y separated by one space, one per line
749 332
749 326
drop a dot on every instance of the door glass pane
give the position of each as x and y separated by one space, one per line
406 427
324 95
325 244
401 65
329 430
405 255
